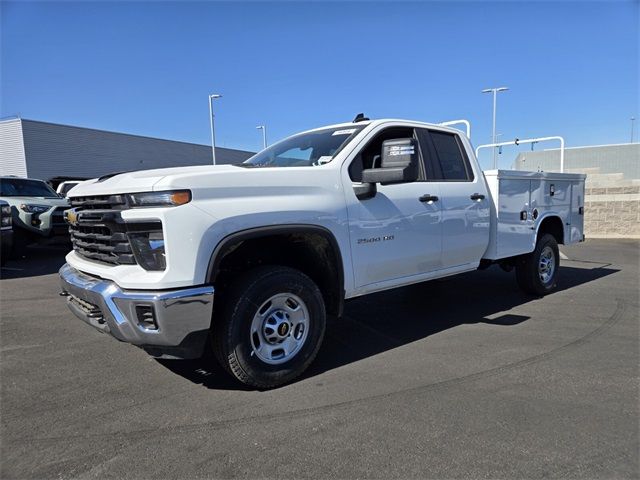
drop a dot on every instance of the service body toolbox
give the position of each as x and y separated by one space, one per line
523 200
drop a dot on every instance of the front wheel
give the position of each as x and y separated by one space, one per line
537 272
272 326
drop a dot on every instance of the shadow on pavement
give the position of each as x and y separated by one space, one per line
387 320
205 371
36 261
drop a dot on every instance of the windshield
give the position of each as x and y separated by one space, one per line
20 187
67 186
305 149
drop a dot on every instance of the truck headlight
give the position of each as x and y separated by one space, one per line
160 199
148 248
31 208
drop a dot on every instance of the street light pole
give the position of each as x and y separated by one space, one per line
213 135
264 135
493 131
633 119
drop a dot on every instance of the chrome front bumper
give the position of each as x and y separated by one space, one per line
181 318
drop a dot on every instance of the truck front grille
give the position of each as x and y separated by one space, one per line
57 217
98 242
98 231
101 202
58 224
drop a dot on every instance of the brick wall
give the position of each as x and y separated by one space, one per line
612 211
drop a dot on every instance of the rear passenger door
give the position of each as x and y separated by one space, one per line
463 197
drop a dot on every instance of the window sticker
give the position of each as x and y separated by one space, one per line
348 131
401 150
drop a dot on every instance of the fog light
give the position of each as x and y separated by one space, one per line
148 248
5 213
146 317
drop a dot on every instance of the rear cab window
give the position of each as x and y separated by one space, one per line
445 157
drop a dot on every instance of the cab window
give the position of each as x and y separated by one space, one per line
447 159
370 155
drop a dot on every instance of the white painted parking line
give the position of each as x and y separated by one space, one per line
563 256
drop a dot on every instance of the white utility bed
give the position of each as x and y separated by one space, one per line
522 200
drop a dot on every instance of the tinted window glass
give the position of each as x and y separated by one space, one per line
450 157
18 187
369 156
305 149
431 169
68 186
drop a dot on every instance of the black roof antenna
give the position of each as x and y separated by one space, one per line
360 118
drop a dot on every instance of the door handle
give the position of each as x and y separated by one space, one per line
477 196
428 198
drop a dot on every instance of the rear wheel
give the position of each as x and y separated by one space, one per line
272 325
537 272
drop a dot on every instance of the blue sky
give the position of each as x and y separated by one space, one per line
147 67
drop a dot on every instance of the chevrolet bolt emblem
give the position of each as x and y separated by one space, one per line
71 216
283 329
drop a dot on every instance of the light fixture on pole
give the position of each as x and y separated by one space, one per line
493 131
264 135
633 119
213 135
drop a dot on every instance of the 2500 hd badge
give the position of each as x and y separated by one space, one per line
376 239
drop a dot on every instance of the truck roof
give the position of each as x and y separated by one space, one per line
377 122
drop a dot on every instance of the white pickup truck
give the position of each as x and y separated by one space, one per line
284 239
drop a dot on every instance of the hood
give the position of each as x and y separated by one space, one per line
140 181
225 180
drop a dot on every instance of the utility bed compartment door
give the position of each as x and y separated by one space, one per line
577 213
522 200
511 226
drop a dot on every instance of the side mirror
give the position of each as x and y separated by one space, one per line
399 163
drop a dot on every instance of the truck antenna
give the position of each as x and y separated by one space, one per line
360 118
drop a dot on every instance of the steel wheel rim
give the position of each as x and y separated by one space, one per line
546 265
279 328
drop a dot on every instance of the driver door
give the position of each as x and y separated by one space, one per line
397 233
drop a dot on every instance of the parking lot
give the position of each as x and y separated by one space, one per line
460 378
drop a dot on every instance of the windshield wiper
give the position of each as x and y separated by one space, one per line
256 165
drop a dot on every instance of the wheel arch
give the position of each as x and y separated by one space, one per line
553 225
329 275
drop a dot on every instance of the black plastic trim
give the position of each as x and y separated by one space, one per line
252 233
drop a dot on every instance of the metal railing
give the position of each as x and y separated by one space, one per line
517 141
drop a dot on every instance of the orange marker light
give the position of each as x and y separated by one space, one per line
180 198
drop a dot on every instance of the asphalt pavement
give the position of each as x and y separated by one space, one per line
459 378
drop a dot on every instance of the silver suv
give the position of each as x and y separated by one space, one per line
37 212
